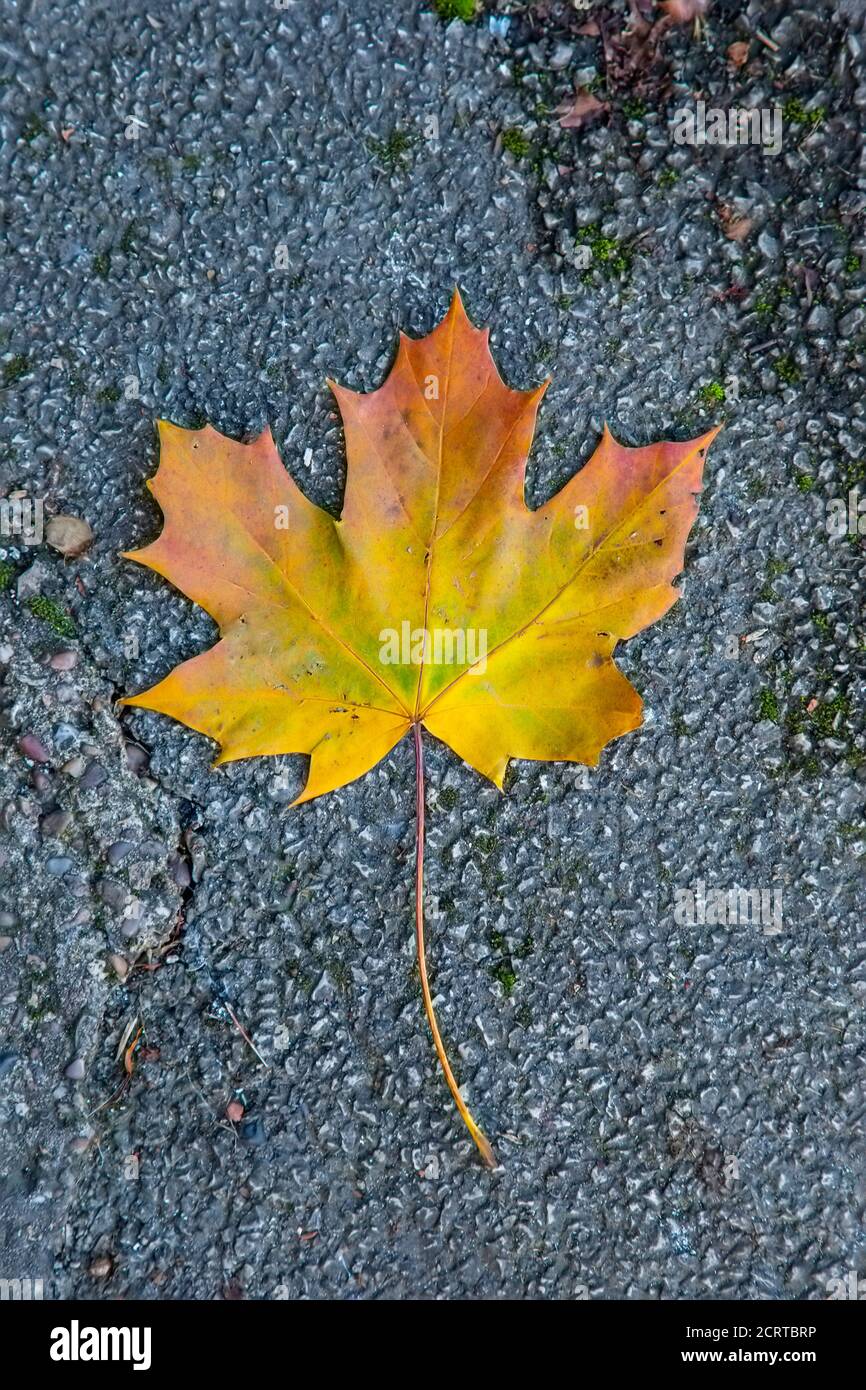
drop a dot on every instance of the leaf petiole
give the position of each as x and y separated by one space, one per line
480 1138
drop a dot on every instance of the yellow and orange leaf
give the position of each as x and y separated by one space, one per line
438 599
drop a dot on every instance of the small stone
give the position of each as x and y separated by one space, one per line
5 943
120 966
68 534
7 920
851 323
234 1112
100 1268
58 865
768 246
55 823
7 1062
738 53
118 851
253 1132
34 749
113 893
6 654
561 56
39 780
30 583
137 758
75 1070
820 319
94 776
152 849
66 736
181 873
63 661
74 767
324 991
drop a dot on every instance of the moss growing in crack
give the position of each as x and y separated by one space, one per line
609 254
341 975
393 153
7 574
667 178
108 395
852 263
822 623
17 367
101 264
768 705
448 798
455 9
504 973
775 569
634 109
33 127
826 713
515 142
828 716
127 242
714 394
795 113
805 482
51 613
787 370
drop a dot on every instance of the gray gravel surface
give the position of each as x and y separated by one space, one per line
205 210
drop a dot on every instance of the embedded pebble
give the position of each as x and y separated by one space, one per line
33 748
58 865
118 851
56 822
71 535
63 661
93 777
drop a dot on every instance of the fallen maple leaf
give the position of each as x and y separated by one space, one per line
735 228
437 600
684 11
738 53
576 110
